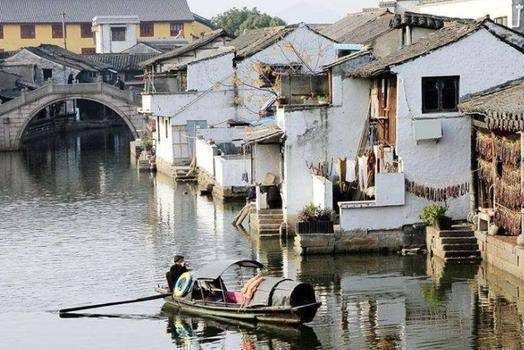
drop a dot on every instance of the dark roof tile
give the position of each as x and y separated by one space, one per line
48 11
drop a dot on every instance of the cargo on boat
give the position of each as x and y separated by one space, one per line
262 298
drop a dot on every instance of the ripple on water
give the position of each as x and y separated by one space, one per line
79 225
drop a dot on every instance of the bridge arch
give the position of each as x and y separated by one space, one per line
16 115
122 114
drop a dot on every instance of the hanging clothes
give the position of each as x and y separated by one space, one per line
363 172
350 171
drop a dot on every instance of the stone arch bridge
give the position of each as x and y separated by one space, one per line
16 114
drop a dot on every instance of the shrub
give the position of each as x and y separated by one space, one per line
147 145
431 213
312 213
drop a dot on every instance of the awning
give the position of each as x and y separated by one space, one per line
264 133
216 269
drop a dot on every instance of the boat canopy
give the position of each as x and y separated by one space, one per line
215 269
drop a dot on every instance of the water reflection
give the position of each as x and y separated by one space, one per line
186 331
79 225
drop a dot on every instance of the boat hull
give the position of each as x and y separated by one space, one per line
261 314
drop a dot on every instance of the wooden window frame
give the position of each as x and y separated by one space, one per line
57 31
178 25
147 29
118 29
1 31
27 31
440 109
84 32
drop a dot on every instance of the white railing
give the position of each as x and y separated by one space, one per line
74 90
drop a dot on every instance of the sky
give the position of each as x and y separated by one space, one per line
292 11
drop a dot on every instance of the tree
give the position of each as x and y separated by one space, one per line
236 20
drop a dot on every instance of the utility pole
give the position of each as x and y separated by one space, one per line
64 33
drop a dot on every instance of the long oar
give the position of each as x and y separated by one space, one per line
139 300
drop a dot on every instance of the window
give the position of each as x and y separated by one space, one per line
147 29
57 31
48 74
501 20
27 31
86 30
88 51
167 129
440 94
118 34
176 29
268 74
1 31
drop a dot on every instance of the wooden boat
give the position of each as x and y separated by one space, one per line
275 300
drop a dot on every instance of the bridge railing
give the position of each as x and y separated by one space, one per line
74 90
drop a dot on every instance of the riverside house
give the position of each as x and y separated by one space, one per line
418 147
497 142
230 83
310 140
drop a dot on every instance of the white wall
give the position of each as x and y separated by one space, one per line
267 159
214 107
320 135
470 9
229 170
309 47
322 192
481 61
105 43
205 158
164 145
216 74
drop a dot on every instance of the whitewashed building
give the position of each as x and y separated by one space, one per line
303 147
505 12
421 142
231 83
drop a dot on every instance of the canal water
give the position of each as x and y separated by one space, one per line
79 225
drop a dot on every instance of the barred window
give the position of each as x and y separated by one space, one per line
27 31
176 29
57 31
147 29
118 34
86 30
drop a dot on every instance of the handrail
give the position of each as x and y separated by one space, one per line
69 89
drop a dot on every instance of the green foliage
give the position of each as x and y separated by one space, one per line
147 145
236 20
312 213
431 213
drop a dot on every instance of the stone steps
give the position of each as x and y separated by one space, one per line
458 240
267 222
459 244
456 234
464 254
460 247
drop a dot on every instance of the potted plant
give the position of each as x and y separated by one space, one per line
434 215
147 145
313 219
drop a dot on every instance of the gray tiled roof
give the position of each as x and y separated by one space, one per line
504 100
48 11
121 61
65 57
445 36
358 28
204 40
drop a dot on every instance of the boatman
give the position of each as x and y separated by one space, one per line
176 271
